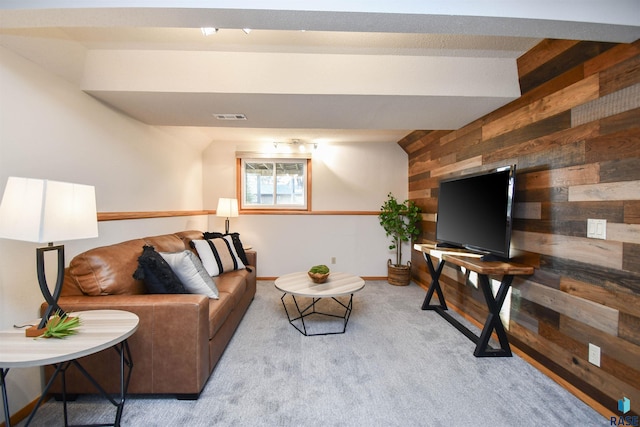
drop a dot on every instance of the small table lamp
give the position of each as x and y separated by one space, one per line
41 211
227 208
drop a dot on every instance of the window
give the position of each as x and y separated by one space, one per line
274 183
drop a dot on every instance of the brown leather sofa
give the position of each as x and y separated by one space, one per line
180 337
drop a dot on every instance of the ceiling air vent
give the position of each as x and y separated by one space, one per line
230 116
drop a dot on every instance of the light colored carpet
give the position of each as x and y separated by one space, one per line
396 365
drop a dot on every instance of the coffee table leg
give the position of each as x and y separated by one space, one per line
311 309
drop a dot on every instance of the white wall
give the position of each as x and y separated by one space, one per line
345 177
50 129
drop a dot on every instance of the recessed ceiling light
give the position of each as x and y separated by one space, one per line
227 116
246 30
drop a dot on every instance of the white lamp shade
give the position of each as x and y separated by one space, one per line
227 208
36 210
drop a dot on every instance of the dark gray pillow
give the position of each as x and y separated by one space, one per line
157 275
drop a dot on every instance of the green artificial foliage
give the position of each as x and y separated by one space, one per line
61 326
320 269
400 221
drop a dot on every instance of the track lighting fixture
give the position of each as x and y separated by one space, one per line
207 31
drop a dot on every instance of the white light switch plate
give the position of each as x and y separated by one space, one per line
597 228
594 354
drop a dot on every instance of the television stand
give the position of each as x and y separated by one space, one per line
484 269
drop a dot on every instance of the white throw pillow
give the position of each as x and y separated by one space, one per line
218 255
191 273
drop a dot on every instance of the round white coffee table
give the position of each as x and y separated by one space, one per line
300 285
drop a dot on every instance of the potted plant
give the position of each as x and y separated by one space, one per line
400 222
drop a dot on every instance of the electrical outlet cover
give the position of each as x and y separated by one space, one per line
594 354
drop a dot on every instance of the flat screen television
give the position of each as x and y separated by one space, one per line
474 212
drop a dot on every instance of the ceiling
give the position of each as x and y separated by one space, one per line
324 71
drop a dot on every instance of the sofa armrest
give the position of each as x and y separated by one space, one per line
252 257
170 347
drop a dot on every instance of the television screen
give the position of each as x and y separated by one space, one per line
474 212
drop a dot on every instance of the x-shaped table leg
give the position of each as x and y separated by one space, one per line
493 322
434 286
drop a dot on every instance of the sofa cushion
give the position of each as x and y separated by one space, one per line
188 236
218 255
233 283
186 265
166 243
219 310
108 270
157 274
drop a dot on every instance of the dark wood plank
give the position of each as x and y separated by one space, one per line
622 301
630 328
561 227
623 75
536 149
567 98
559 177
631 257
551 194
619 145
620 170
535 130
632 211
570 58
540 54
611 57
459 145
620 122
608 278
539 312
420 139
554 85
556 157
552 333
611 211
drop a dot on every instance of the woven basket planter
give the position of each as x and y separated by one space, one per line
398 276
318 277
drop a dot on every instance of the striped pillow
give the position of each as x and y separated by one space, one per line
218 255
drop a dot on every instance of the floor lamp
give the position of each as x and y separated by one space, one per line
227 208
43 211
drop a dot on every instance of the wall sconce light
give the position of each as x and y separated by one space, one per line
37 210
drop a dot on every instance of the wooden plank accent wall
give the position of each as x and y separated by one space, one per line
575 137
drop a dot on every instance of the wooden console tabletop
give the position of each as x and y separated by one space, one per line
490 268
